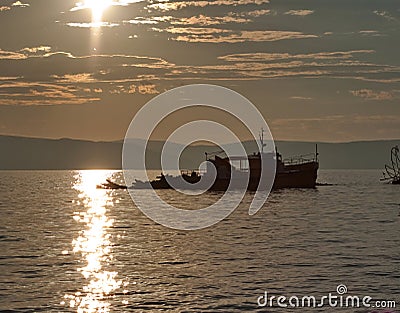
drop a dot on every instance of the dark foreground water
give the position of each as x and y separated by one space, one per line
68 247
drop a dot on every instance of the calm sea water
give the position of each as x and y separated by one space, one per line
69 247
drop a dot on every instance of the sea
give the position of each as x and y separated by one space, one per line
66 246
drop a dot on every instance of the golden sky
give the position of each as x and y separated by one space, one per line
318 70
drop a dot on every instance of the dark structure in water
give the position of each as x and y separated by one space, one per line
392 171
111 185
297 172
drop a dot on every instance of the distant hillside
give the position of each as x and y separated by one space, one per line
35 153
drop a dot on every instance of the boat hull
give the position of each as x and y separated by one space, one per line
297 176
288 176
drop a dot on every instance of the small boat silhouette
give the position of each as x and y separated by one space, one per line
111 185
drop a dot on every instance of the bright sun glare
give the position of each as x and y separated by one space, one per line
98 7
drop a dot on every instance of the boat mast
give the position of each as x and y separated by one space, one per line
262 139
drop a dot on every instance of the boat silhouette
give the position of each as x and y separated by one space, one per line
231 172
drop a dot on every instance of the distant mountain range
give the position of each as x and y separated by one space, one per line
36 153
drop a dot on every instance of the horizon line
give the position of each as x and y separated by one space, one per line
160 140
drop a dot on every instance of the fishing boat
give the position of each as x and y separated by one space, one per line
296 172
392 171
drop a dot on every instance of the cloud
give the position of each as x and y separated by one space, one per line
20 4
148 89
36 93
36 50
386 15
134 88
373 33
218 35
121 89
120 60
46 101
17 4
83 6
173 6
6 78
193 30
369 94
199 20
25 53
299 12
379 79
11 55
131 89
75 78
196 20
63 67
339 64
203 20
92 25
59 54
255 13
260 57
300 98
127 74
140 20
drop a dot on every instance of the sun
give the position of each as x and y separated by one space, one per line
97 7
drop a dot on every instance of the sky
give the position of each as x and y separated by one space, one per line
318 70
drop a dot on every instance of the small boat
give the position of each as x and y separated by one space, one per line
392 171
162 181
111 185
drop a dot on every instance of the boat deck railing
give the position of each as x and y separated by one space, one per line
301 159
197 171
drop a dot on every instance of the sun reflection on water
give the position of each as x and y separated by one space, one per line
93 244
